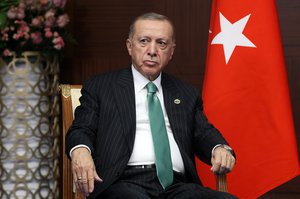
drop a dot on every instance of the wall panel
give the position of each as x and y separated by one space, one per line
101 29
289 18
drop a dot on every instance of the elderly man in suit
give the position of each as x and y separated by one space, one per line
114 150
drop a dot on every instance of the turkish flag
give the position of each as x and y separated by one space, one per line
246 96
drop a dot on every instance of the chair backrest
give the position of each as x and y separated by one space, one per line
70 95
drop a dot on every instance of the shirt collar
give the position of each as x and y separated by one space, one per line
140 81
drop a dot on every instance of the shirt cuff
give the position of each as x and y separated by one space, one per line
212 151
79 146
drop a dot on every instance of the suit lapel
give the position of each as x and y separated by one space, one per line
174 104
125 98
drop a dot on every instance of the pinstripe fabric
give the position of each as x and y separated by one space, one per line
144 184
106 123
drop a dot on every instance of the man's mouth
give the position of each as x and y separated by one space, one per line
150 63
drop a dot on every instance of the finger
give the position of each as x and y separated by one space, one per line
228 163
97 178
212 164
76 175
84 183
85 187
90 181
81 179
77 184
225 168
80 185
223 163
74 172
232 163
216 163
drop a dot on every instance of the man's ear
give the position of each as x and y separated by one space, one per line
172 52
129 45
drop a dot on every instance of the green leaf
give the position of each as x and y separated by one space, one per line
2 19
5 5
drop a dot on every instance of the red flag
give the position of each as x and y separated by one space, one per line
246 96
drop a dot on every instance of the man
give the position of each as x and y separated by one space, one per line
113 152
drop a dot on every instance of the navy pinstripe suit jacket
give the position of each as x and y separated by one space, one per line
106 122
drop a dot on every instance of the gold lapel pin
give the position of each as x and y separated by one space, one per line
177 101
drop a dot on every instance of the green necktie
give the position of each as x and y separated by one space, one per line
161 144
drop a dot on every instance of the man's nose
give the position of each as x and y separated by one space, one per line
152 50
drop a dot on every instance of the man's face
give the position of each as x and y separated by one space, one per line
151 47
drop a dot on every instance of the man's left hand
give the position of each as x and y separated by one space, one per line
222 161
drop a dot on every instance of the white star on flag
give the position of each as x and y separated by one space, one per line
231 35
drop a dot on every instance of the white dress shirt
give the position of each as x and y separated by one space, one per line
143 150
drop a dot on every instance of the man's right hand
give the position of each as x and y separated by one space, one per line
84 171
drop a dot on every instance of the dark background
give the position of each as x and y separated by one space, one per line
101 27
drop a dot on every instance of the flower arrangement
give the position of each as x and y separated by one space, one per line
33 25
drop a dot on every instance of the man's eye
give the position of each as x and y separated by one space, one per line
143 41
162 44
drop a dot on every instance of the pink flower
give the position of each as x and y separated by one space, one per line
43 2
5 37
22 31
26 36
37 21
49 18
50 13
21 34
36 37
58 42
16 36
22 5
12 13
56 34
28 2
48 33
4 34
32 24
62 20
59 3
7 52
21 14
23 26
16 12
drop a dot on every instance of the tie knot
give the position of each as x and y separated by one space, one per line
151 88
